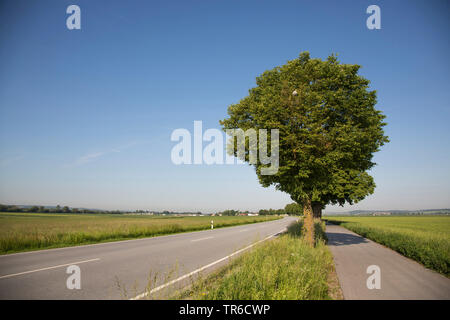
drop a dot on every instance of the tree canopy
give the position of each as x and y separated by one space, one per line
328 129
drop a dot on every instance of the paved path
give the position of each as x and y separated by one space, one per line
42 274
401 278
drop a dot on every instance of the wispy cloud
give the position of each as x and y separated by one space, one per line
90 157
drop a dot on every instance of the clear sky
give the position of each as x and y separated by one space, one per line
86 115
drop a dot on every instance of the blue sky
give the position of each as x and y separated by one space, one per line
86 115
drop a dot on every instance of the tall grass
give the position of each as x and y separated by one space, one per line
31 231
424 239
286 268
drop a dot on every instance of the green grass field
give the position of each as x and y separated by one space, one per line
425 239
31 231
285 268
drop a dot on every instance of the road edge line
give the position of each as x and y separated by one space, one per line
145 294
47 268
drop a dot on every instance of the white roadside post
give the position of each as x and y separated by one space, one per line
212 224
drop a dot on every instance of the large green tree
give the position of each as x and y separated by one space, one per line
328 131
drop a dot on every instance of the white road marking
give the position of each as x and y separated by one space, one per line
243 230
145 294
48 268
201 239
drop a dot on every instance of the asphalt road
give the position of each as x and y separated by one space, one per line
107 268
400 277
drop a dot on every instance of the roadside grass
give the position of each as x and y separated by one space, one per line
285 268
34 231
424 239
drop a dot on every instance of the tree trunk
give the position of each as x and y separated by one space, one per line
308 223
317 210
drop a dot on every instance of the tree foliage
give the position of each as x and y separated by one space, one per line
230 212
271 212
293 209
328 127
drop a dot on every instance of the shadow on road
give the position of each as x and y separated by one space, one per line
343 239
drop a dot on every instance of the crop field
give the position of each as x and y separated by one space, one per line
425 239
32 231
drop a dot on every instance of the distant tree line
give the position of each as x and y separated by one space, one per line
57 209
292 209
66 209
171 212
271 212
231 212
